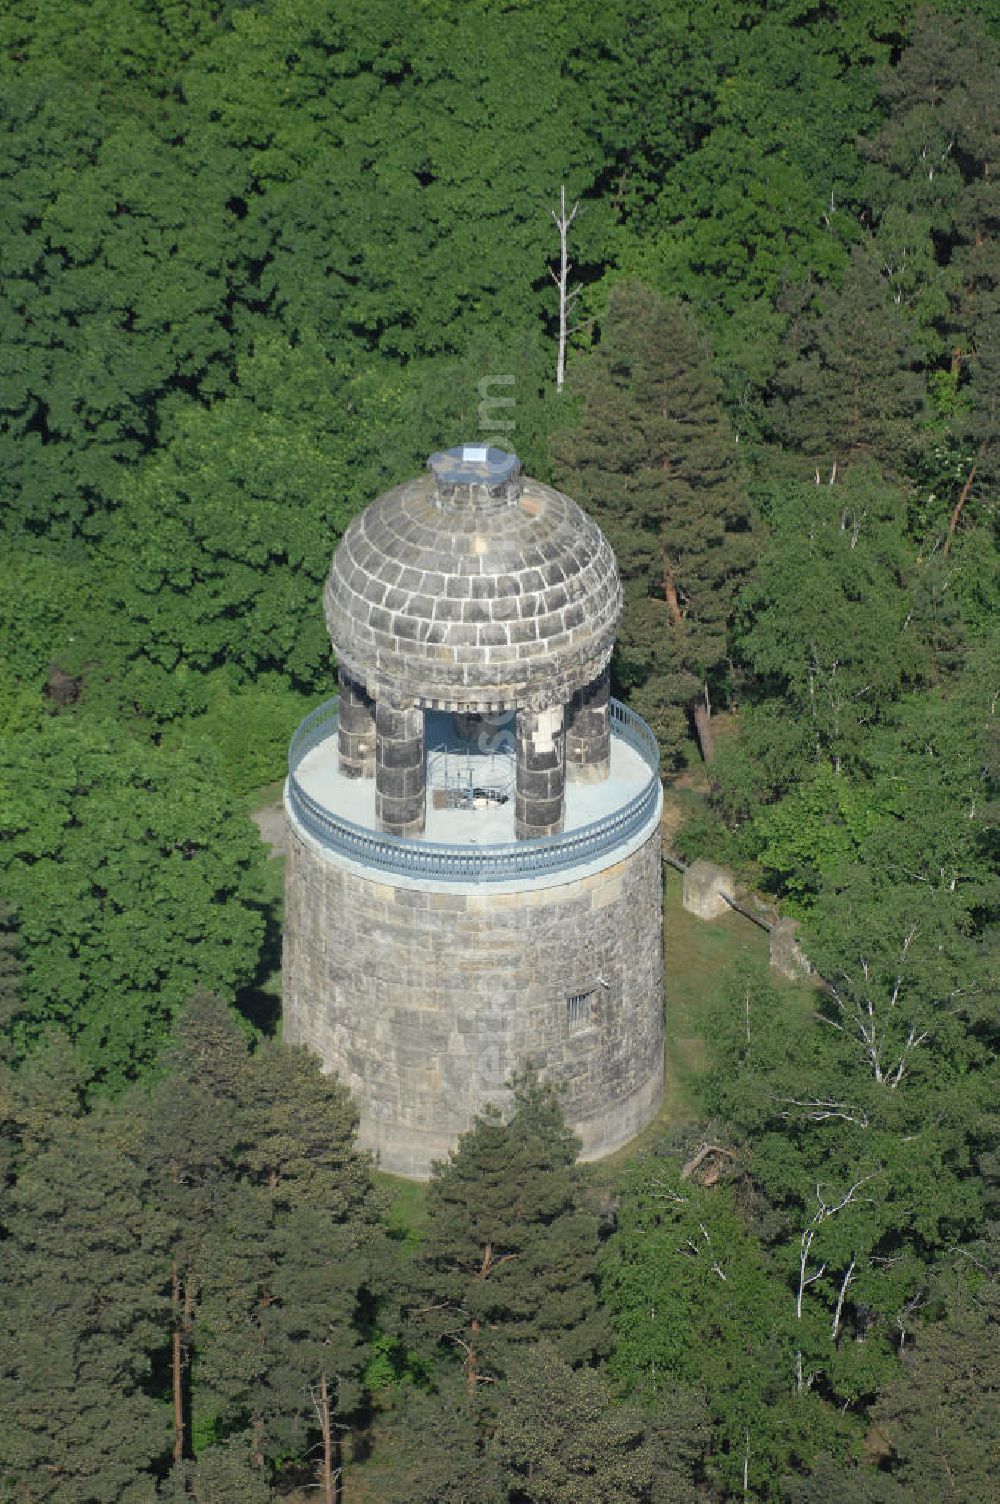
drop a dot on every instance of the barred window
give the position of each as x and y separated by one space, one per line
578 1009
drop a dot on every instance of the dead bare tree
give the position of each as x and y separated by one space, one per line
563 220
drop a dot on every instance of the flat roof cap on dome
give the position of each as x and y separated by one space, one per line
473 465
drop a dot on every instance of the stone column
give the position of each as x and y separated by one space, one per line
541 773
588 732
356 734
400 776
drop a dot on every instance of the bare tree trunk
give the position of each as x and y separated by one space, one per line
697 1160
702 708
177 1362
471 1372
955 517
563 222
182 1307
670 596
326 1427
703 726
838 1313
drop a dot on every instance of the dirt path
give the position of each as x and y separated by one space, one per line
270 821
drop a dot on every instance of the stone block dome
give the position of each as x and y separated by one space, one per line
473 588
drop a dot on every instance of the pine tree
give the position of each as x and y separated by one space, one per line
224 1473
188 1158
299 1136
437 1447
847 391
268 1217
933 185
509 1252
82 1312
561 1438
299 1251
655 461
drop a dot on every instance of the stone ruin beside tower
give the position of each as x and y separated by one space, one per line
473 876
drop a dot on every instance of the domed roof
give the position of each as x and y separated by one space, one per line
473 588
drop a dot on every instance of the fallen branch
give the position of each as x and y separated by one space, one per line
698 1159
955 517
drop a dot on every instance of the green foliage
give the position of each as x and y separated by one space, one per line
224 1473
751 177
654 460
258 262
830 1106
847 391
934 1422
79 1322
248 728
125 51
37 1099
813 835
212 1237
508 1253
120 242
437 1449
266 1214
695 1308
130 868
10 966
600 1457
948 1390
44 601
228 530
825 623
930 181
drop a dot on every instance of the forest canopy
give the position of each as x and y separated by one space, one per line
258 261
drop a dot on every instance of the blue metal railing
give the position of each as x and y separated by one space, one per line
503 862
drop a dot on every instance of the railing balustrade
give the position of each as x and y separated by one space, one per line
490 863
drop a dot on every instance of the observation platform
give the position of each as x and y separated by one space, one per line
469 835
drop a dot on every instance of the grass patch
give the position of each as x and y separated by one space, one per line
260 1000
407 1214
699 956
698 959
265 796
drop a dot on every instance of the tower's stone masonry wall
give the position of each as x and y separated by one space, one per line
424 1001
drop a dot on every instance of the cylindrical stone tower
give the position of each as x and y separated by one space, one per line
473 875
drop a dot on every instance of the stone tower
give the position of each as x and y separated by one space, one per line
473 873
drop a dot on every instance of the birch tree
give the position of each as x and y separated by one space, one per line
812 1267
823 622
696 1309
869 1177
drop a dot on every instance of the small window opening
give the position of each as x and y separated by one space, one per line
578 1009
